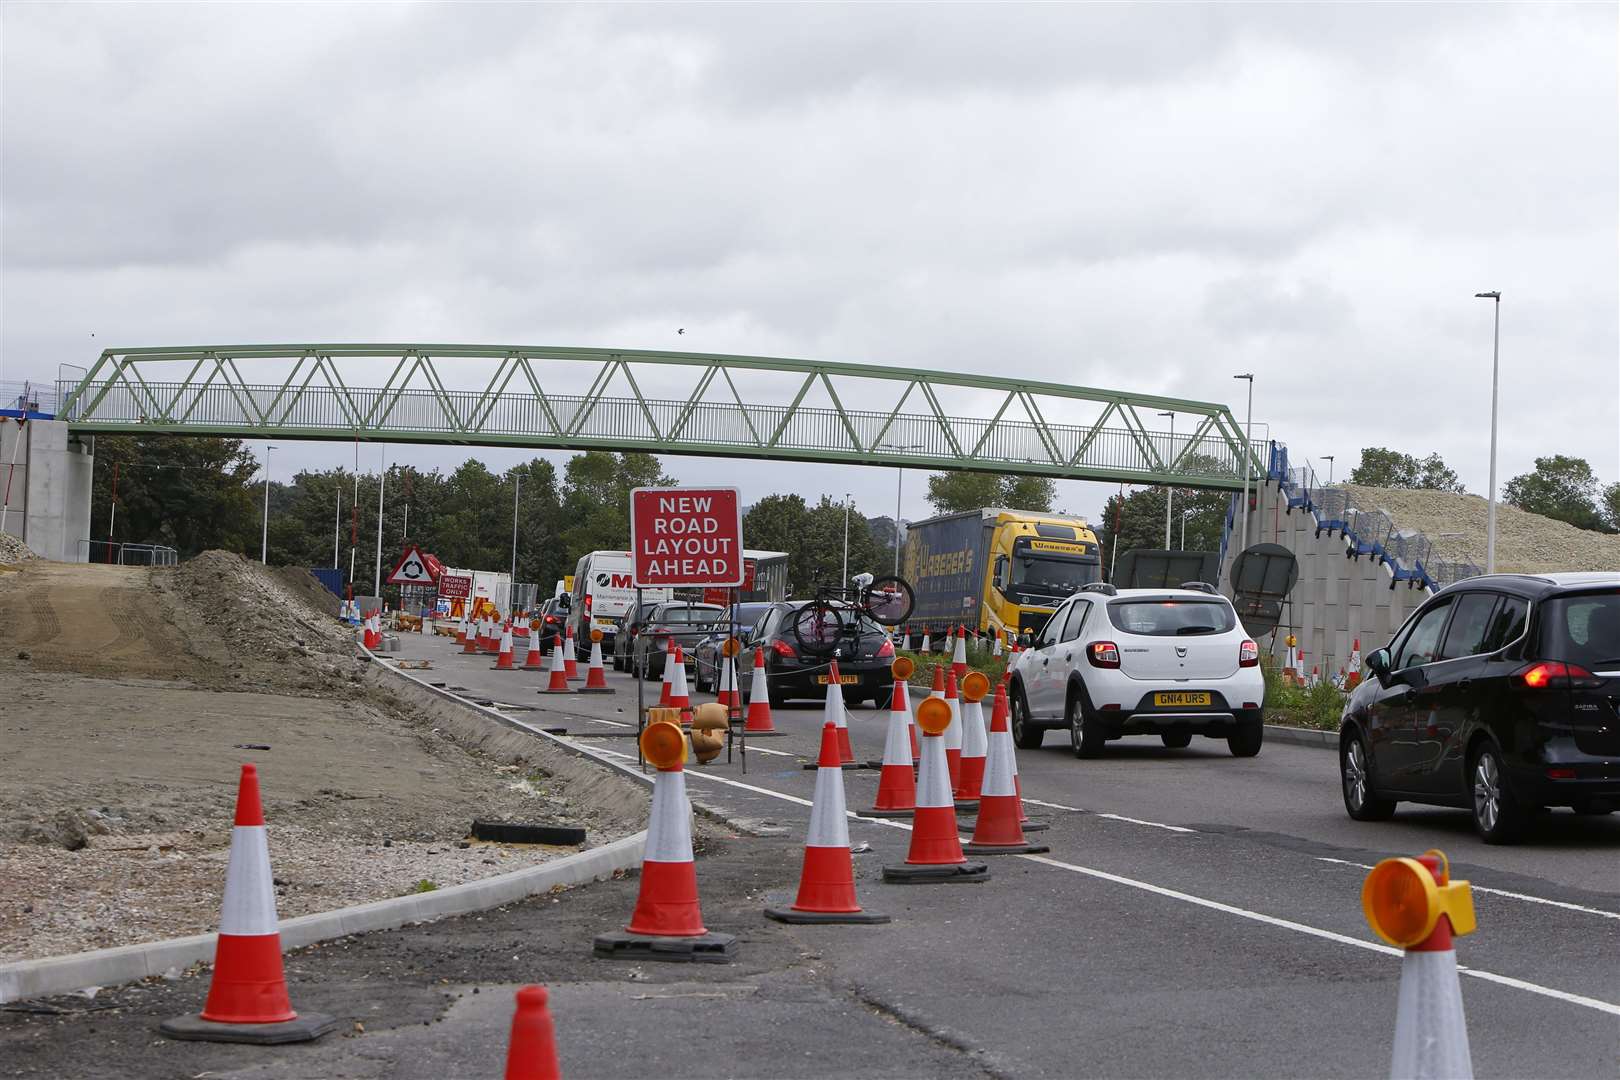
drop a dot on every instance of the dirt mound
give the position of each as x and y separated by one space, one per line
13 550
1525 543
305 586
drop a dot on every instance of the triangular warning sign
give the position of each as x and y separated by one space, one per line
412 569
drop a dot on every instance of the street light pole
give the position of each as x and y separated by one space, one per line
1248 452
1169 493
1185 514
1490 506
264 544
517 486
899 481
1329 459
845 579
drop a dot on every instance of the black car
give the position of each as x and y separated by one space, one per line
864 655
706 653
673 620
1499 694
630 624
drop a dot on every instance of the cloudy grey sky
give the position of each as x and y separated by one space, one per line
1147 197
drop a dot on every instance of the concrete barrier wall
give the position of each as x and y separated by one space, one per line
1338 599
49 507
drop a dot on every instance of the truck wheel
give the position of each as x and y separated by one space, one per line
1024 733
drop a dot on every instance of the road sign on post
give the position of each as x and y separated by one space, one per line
413 568
686 537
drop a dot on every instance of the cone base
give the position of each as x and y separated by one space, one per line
842 765
813 918
1025 848
593 690
752 734
566 690
303 1028
709 948
964 806
1034 826
949 874
907 812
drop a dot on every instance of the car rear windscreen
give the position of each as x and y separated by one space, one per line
1584 629
688 616
1171 618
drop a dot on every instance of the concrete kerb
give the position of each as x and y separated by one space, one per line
129 963
1322 740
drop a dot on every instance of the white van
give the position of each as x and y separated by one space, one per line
602 596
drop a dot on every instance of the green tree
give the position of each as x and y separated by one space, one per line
596 499
1561 488
955 492
813 538
1610 504
192 494
1385 468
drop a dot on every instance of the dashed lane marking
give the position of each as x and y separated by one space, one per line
1527 898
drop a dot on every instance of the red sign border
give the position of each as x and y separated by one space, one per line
468 578
421 557
635 565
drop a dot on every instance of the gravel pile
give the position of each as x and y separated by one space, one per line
13 550
1525 543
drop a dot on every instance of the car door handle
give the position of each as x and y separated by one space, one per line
1048 660
1464 684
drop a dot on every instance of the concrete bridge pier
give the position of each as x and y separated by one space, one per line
45 484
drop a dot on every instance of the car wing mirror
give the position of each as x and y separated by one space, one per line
1378 664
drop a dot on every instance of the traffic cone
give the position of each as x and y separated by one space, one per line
557 682
995 650
999 828
679 698
531 1052
471 641
667 903
595 673
897 784
570 664
1414 904
533 661
953 733
937 692
927 645
668 687
461 630
834 711
974 745
827 882
959 655
1352 677
935 854
247 998
758 720
901 699
503 661
728 694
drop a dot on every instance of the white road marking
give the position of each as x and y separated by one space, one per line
1214 905
1527 898
778 753
612 723
1053 805
1139 821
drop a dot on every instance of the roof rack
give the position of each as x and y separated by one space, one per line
1199 586
1100 587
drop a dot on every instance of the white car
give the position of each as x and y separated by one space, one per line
1168 662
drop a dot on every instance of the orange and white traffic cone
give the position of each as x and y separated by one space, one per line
959 654
936 851
557 680
953 733
1414 905
937 692
999 830
570 663
247 998
897 784
834 711
995 649
975 747
595 673
531 1052
827 882
461 630
927 643
668 686
503 661
533 661
727 693
679 696
667 923
758 720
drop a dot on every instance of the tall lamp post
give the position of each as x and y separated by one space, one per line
1248 452
1169 492
899 481
1490 506
517 486
845 579
1329 459
264 543
1185 514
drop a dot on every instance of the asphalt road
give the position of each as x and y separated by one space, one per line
1198 915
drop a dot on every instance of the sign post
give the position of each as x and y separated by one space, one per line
686 538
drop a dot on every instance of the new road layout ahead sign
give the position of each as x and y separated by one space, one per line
685 537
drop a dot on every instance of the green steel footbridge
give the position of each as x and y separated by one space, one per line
661 402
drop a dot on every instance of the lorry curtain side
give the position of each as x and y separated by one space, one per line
945 563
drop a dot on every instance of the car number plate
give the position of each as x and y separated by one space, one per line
1181 698
843 680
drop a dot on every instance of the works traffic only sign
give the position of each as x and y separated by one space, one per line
455 586
683 537
412 569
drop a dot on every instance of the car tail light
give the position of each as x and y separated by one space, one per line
1248 654
1103 654
588 598
783 649
1563 773
1556 675
886 649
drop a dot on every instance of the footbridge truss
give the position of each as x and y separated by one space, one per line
660 402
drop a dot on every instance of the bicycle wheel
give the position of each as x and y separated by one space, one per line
888 600
817 627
